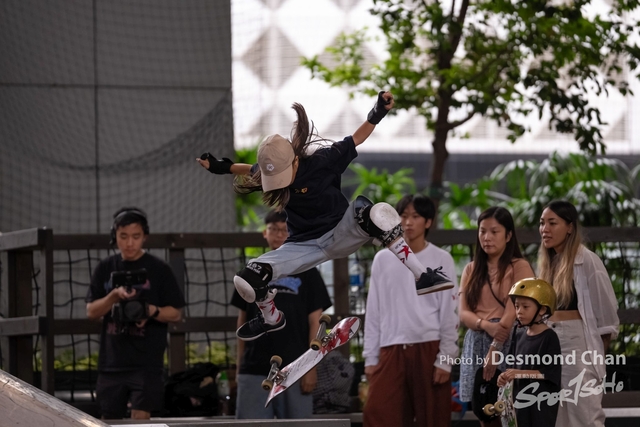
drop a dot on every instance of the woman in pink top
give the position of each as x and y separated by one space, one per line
485 307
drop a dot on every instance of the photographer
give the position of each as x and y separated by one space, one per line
135 294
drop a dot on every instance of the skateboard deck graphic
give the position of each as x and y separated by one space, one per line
281 379
504 406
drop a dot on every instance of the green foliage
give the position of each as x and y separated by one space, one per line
500 59
347 56
217 353
65 362
356 347
603 190
381 186
249 208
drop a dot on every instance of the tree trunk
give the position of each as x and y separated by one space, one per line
440 153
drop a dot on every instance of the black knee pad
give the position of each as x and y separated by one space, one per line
362 209
258 275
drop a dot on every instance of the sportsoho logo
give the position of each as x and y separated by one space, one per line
576 388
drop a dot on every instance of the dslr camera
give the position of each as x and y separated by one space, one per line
129 311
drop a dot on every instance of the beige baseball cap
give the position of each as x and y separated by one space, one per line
275 158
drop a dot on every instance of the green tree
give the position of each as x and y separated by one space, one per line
501 59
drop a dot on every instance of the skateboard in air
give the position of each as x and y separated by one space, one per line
279 380
504 406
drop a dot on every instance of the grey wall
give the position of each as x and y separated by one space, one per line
108 103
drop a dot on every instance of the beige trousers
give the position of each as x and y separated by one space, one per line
580 411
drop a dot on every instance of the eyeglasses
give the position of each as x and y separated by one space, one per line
276 230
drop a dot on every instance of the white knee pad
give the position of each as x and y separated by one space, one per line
387 220
384 216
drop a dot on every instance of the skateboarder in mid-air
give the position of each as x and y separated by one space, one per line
302 177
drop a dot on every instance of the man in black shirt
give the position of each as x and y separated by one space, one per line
130 362
302 297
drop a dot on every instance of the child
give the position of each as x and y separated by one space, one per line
535 301
322 224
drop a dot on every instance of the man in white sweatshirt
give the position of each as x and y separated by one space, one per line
410 342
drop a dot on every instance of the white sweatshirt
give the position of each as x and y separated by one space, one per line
396 314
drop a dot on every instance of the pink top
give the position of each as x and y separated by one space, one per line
488 307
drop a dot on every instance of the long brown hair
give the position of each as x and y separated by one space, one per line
555 268
480 272
301 138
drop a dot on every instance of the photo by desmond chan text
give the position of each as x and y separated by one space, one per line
586 357
576 388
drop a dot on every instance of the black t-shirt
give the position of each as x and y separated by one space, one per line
137 348
545 343
297 297
316 204
573 304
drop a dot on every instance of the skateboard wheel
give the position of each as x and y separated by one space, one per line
267 384
500 406
325 318
489 409
277 360
316 344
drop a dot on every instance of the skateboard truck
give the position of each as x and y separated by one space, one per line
321 338
274 373
280 379
498 408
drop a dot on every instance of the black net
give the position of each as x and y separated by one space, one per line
107 103
208 275
208 289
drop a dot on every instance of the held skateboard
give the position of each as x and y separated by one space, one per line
279 380
504 406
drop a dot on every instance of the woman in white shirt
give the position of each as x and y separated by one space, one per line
586 319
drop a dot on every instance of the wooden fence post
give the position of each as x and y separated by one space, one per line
177 340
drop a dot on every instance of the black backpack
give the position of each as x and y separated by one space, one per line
484 392
192 392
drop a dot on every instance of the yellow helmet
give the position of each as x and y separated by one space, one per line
536 289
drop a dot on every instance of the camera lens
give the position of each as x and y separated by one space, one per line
134 310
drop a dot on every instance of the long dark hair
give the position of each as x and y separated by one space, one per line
480 273
303 134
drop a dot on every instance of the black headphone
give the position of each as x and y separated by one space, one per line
120 214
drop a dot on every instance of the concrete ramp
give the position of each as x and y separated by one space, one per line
24 405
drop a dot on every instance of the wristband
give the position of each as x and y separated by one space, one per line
378 111
156 313
219 167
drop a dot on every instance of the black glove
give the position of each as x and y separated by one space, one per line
378 111
219 167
